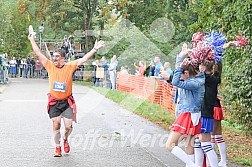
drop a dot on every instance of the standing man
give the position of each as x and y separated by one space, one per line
61 103
104 64
112 71
13 64
166 72
33 64
56 45
29 67
66 44
158 66
68 55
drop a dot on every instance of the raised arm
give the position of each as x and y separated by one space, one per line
231 43
97 46
187 84
182 55
42 58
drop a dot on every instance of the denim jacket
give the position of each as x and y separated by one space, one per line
192 92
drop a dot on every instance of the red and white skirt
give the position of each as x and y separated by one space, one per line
183 124
218 114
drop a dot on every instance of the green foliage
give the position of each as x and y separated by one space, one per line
232 18
13 33
144 13
243 161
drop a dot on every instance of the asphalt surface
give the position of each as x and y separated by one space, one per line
106 134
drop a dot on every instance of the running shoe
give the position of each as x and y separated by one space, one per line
58 152
66 146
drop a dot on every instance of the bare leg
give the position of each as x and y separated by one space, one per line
56 130
217 128
173 140
189 147
68 127
171 145
205 137
189 144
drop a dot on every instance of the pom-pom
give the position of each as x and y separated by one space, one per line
242 41
199 55
198 36
216 41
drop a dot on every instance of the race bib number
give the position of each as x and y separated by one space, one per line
59 86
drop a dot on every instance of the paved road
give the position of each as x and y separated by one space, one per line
105 135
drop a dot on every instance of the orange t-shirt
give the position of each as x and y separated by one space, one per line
60 79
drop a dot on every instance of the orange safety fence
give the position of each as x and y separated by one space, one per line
152 89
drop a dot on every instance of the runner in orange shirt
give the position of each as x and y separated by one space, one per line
60 100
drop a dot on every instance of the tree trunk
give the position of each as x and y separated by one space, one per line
89 8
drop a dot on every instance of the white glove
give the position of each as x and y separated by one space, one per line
31 32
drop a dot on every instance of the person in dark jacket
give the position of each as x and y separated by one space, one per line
207 113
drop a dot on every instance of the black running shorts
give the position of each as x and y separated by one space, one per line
61 108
